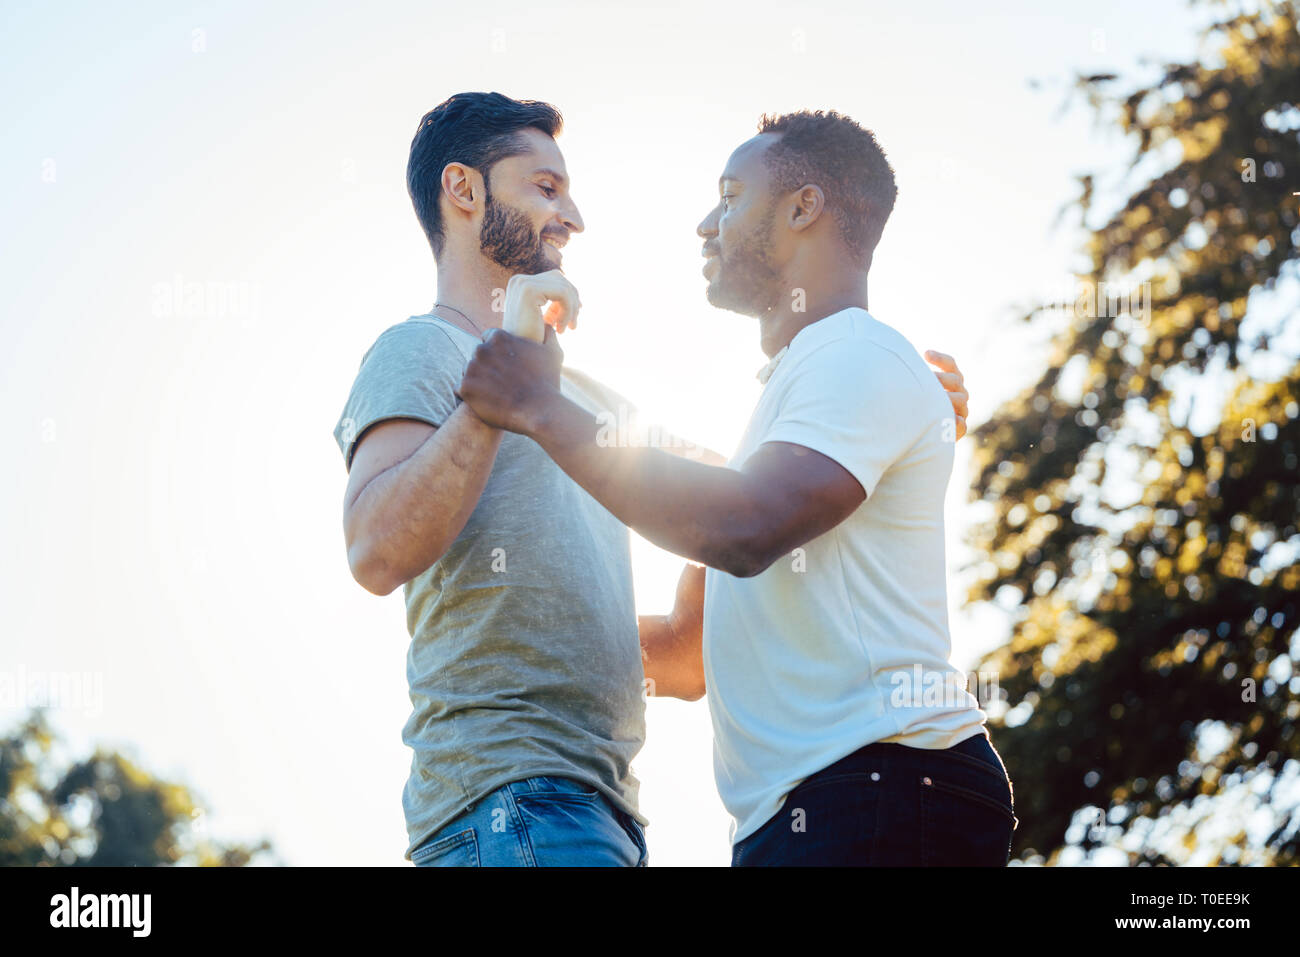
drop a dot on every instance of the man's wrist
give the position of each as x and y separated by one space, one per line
474 420
542 417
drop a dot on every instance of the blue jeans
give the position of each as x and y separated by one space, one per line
537 822
889 805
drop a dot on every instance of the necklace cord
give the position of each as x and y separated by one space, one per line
443 305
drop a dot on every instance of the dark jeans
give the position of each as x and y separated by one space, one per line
889 805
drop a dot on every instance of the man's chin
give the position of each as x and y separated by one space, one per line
545 261
720 298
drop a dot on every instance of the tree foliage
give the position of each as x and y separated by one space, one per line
1151 563
103 811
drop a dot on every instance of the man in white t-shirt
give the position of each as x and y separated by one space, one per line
842 732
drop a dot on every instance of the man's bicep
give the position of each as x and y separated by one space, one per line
804 492
380 447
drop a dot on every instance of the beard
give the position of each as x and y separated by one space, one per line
747 281
509 240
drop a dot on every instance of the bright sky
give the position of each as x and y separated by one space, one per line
172 499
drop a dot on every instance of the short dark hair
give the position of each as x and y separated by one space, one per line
476 129
829 150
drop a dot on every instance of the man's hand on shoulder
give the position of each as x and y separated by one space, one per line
954 383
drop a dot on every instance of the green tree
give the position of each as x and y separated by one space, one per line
1150 561
103 811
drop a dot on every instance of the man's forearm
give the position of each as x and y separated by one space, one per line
673 662
700 512
672 645
413 511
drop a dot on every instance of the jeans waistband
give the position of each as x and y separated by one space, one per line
976 751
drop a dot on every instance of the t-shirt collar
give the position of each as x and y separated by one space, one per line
806 336
765 373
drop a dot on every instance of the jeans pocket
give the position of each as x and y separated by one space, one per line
827 821
456 850
575 828
964 827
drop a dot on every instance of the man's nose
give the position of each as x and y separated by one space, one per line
708 227
572 218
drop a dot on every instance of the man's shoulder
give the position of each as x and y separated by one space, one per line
415 328
416 337
867 349
599 394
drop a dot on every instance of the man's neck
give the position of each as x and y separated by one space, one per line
471 289
778 327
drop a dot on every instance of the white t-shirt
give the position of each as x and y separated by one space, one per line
843 642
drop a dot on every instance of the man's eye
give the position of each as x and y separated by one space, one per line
549 191
725 198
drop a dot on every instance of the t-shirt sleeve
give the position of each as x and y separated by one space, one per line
599 396
411 372
856 403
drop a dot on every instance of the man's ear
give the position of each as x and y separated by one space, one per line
806 208
463 187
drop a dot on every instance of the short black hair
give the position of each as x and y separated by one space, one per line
476 129
829 150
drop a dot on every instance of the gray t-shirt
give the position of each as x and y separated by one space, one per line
524 656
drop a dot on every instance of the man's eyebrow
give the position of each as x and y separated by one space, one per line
553 173
724 178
